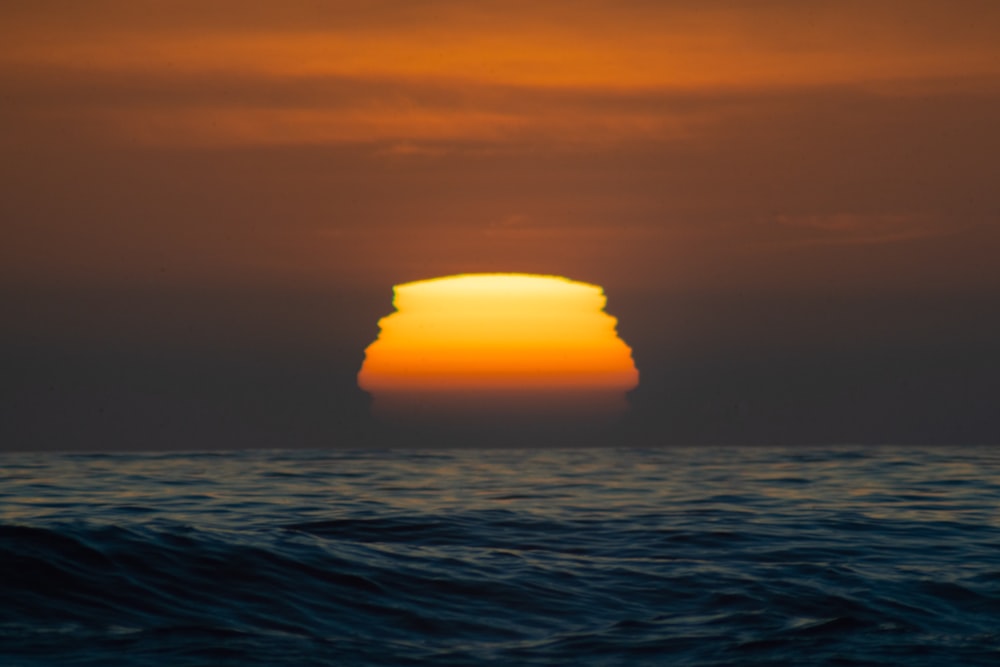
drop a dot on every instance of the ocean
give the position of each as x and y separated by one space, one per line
598 556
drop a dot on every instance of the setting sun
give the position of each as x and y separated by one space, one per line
506 336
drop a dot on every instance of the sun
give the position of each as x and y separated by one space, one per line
528 343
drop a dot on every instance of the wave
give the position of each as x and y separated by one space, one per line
738 572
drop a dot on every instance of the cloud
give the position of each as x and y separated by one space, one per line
596 42
407 75
212 108
860 229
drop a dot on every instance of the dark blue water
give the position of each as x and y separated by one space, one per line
696 556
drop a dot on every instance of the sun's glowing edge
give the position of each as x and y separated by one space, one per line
498 333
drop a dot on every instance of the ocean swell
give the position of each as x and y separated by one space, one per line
600 557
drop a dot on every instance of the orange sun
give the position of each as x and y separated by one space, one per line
485 342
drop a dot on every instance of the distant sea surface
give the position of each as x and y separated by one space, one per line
681 556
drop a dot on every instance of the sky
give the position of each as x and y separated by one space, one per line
792 208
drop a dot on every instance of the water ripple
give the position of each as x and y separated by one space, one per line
708 556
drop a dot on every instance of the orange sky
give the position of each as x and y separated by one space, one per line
772 175
699 144
326 141
308 72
